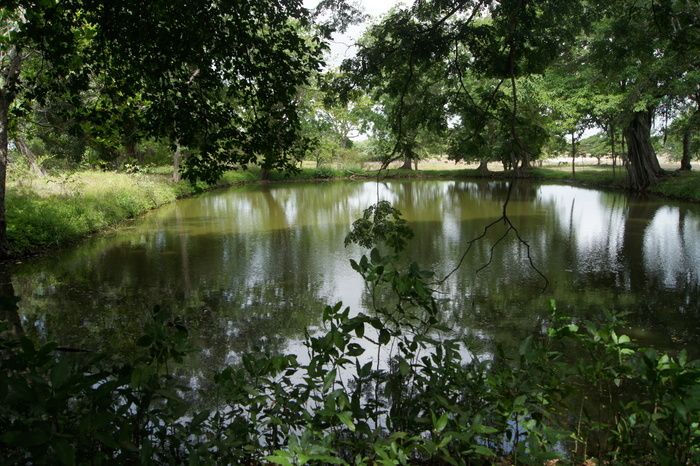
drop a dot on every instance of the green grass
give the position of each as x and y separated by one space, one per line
47 213
59 210
676 185
680 185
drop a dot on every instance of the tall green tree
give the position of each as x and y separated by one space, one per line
570 99
29 30
650 50
501 41
399 71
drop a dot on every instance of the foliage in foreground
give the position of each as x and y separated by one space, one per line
381 388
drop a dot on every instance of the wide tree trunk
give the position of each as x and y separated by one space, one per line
685 161
524 161
623 149
407 163
483 166
643 167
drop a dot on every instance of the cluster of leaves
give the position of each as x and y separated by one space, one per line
387 387
61 406
380 223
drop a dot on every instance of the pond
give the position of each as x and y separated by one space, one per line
252 267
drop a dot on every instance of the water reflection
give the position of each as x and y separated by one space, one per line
252 267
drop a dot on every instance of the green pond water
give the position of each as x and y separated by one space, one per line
253 267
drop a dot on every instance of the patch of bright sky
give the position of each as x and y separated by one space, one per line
342 46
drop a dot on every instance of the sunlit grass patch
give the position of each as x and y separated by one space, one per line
61 209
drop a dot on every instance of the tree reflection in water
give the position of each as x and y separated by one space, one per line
251 268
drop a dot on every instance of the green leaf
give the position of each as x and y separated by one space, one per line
525 346
60 372
329 380
360 330
140 376
25 439
355 350
483 451
346 418
441 423
375 257
366 370
482 429
404 368
326 459
280 457
384 336
145 341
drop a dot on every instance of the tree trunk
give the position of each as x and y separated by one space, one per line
573 155
643 167
264 173
132 151
177 157
623 149
525 161
483 167
7 95
26 151
612 148
4 121
407 163
685 161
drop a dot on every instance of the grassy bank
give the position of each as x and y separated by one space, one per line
45 213
676 185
